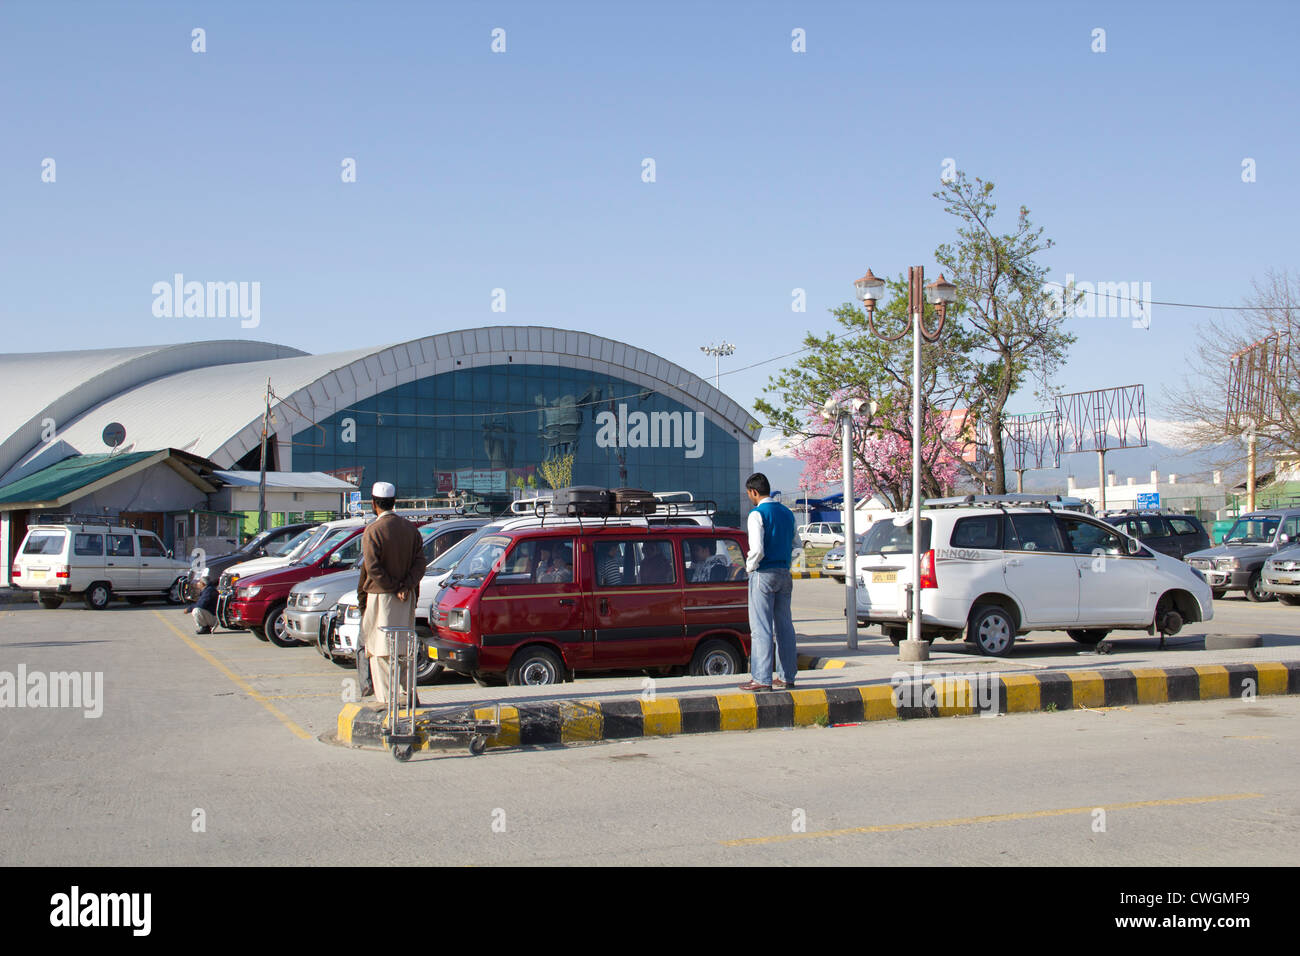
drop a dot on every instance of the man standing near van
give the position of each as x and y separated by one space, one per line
771 624
392 564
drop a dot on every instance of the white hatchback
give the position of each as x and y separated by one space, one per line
993 567
820 534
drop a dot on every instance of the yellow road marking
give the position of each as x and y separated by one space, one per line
991 818
236 679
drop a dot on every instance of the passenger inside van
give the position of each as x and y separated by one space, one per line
656 564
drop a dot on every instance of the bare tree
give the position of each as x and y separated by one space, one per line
1243 373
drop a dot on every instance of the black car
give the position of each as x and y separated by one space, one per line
269 542
1174 535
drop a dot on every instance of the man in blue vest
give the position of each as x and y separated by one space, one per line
771 626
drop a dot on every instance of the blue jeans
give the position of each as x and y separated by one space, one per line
770 622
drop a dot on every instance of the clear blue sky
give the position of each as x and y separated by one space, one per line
522 170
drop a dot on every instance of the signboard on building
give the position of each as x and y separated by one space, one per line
482 481
354 502
1149 500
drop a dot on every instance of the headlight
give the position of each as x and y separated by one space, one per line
311 600
1228 563
458 619
249 592
352 612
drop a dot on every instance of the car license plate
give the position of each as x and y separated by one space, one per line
38 575
884 577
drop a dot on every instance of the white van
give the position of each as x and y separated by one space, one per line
96 562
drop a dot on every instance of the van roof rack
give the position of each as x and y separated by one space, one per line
107 520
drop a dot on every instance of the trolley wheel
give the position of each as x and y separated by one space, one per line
477 744
402 752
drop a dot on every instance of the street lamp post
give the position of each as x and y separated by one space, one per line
940 294
717 351
842 410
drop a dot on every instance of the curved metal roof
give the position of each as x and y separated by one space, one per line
62 386
216 411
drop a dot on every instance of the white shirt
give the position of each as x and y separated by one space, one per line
755 525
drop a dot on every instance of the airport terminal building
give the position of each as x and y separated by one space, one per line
486 413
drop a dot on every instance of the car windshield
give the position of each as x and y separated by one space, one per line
252 544
451 557
885 537
331 539
309 540
285 545
1257 530
479 562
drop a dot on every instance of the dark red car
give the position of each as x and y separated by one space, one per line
260 599
536 604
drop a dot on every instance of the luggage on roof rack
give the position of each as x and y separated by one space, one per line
583 501
634 501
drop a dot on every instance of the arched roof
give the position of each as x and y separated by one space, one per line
63 386
216 411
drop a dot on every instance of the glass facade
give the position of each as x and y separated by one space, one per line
494 430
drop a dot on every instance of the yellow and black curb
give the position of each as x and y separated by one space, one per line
805 575
550 723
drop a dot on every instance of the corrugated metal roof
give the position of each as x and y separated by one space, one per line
50 484
60 386
287 480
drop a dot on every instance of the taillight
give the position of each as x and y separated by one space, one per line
62 573
17 572
928 579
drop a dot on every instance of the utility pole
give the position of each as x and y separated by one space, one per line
261 481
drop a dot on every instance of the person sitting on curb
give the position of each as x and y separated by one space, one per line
204 607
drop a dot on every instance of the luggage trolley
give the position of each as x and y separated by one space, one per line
457 727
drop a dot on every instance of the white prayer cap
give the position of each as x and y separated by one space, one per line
383 489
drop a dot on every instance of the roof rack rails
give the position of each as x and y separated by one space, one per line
973 501
77 519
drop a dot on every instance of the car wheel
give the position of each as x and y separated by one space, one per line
97 596
50 600
276 628
715 658
1218 593
136 600
1291 600
1255 589
992 631
805 545
176 593
427 668
1090 636
896 635
535 667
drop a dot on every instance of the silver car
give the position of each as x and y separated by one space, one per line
1282 575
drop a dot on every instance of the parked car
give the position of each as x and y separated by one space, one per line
1172 534
310 599
1281 575
537 604
833 560
1238 563
261 599
820 534
272 543
994 567
96 562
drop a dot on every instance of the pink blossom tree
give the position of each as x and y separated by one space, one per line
882 453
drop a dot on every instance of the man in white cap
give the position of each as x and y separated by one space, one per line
392 564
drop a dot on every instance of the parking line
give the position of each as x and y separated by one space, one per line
236 679
992 818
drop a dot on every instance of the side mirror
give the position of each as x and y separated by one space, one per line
1134 546
169 552
1284 538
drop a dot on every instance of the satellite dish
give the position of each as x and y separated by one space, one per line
114 434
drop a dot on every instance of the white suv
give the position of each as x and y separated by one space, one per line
993 567
96 561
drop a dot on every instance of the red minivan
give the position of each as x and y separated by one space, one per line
534 605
